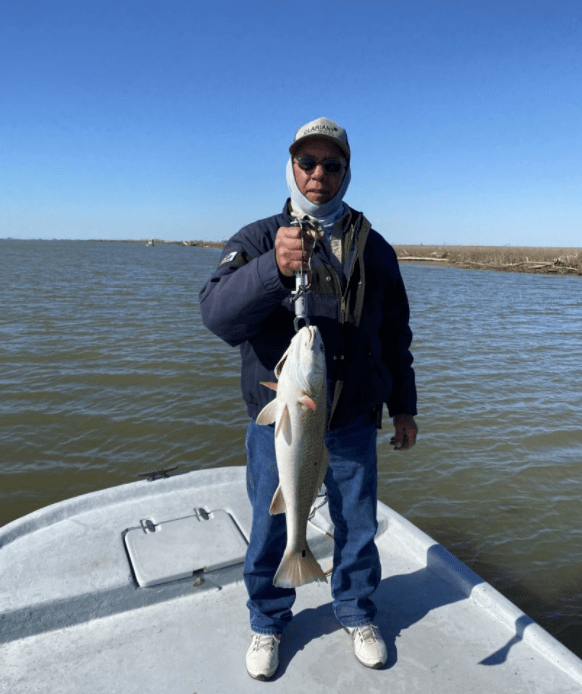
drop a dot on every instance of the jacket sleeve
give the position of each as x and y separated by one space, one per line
245 288
396 340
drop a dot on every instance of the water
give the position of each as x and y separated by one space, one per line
106 372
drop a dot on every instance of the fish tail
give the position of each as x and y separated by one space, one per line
297 569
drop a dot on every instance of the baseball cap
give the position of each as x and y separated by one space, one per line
323 128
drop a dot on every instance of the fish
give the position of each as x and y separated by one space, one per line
299 413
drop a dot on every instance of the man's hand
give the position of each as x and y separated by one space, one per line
290 251
406 430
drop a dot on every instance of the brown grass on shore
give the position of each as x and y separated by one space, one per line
550 260
507 258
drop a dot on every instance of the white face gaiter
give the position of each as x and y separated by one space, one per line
328 213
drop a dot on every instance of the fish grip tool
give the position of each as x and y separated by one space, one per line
303 277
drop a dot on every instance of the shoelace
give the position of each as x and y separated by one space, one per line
367 633
264 642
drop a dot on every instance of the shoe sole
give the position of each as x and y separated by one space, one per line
375 666
260 677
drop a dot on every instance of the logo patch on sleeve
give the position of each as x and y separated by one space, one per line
229 258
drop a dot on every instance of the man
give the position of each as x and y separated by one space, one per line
359 303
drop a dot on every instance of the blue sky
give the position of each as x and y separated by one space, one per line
126 119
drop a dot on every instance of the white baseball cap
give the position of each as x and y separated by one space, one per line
325 129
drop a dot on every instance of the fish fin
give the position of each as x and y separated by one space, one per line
308 402
285 425
268 414
323 463
297 569
269 384
278 502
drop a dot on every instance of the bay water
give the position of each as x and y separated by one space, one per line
106 372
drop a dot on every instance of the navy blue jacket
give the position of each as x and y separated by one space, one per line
361 310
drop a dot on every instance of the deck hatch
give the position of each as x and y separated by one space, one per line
177 548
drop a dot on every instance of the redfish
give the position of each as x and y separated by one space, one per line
299 413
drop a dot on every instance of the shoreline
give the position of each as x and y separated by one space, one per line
552 260
529 259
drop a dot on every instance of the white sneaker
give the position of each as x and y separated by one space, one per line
369 646
263 656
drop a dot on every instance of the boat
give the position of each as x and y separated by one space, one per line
139 589
150 242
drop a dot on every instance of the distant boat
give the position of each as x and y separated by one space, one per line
150 243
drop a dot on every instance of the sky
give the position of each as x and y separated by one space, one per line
125 119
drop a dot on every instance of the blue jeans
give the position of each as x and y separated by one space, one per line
351 482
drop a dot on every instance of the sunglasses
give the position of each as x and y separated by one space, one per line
330 166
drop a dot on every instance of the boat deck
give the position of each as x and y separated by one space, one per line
74 619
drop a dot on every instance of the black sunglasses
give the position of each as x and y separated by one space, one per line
330 166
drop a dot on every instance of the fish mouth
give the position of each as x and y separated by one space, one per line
315 339
308 338
312 332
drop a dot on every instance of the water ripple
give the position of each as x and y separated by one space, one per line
106 372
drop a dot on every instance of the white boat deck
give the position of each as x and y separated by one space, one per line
74 620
